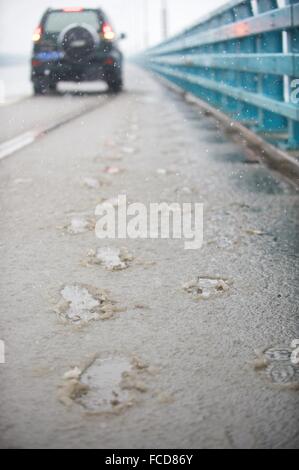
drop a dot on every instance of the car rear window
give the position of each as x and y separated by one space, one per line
57 21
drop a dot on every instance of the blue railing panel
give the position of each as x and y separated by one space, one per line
275 64
242 59
277 20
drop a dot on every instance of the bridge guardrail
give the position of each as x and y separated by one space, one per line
242 59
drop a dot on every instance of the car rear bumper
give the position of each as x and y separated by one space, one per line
63 70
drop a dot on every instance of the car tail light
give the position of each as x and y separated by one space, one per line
37 34
109 61
35 63
107 32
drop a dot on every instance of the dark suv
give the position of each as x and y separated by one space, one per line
75 44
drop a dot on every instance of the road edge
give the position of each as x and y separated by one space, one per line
274 158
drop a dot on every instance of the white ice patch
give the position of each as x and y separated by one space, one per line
81 304
275 363
109 385
79 225
205 288
103 380
110 258
113 259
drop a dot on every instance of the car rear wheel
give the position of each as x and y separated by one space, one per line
42 87
115 85
53 87
38 88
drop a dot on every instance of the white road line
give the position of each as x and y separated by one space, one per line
17 143
13 145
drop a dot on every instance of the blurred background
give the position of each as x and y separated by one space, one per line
146 22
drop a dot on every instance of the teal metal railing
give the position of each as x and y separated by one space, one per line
243 59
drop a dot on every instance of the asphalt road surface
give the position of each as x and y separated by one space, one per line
155 361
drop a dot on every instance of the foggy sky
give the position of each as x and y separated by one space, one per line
19 18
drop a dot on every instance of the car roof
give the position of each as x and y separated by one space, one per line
83 9
56 9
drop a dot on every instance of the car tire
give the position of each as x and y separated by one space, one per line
42 87
53 87
115 85
38 88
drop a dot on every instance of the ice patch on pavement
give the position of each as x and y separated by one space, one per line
103 380
80 225
276 366
82 304
106 385
113 259
73 374
204 287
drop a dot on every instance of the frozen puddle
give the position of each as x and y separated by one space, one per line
108 385
277 366
103 380
80 225
205 288
83 304
112 259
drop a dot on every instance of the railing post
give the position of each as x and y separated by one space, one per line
293 48
246 80
271 86
229 77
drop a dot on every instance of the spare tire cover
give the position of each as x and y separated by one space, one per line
78 42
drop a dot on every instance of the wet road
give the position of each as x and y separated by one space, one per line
148 363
